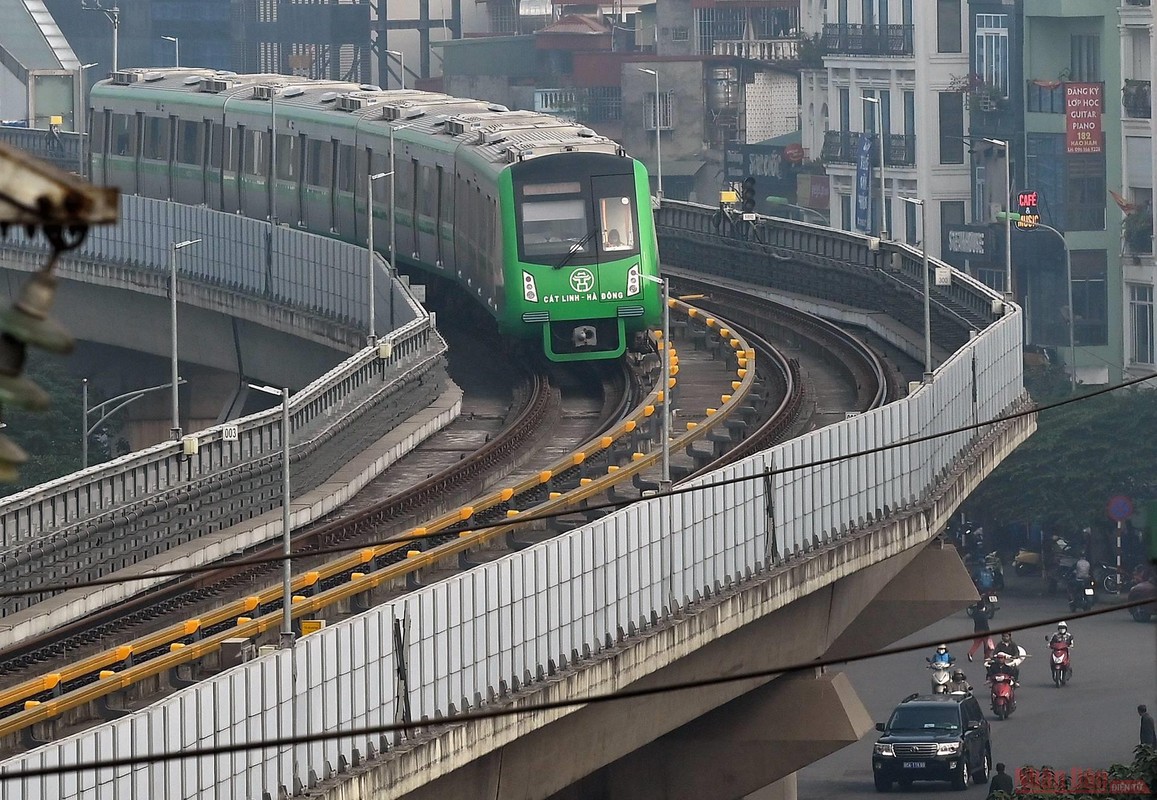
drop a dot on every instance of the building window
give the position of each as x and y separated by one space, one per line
980 193
951 127
1141 323
845 109
666 118
948 28
1090 297
1086 192
846 220
1085 58
991 50
680 34
911 232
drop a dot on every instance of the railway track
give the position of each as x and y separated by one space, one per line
336 587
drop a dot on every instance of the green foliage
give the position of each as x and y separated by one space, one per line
1138 230
52 437
812 51
1143 768
1081 455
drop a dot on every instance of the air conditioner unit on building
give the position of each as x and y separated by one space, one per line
994 209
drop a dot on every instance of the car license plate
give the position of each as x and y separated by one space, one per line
1088 591
913 765
992 598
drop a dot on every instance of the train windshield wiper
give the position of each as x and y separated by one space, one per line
577 248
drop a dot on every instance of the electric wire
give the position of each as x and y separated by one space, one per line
522 519
531 708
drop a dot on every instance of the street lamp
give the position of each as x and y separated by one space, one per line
393 195
658 138
177 46
114 16
401 64
370 244
122 399
927 295
880 139
1008 215
286 583
173 248
665 481
783 201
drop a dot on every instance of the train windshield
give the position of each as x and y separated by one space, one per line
554 226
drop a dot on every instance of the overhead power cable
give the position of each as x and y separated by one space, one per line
531 708
523 519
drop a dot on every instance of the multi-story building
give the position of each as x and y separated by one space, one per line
901 63
1139 271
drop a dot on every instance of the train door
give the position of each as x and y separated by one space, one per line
206 160
171 167
288 172
438 261
415 188
302 163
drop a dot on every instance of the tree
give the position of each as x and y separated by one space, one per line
51 437
1103 786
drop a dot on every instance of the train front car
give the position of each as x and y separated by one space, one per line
580 237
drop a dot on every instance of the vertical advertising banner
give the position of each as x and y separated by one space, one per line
1083 105
864 183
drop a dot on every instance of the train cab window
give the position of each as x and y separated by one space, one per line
554 219
617 223
156 143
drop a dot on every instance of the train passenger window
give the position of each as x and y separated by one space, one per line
156 144
124 135
189 141
345 168
97 124
256 153
287 156
554 227
617 223
319 166
427 191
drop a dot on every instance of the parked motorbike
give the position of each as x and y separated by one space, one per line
1082 594
993 564
1145 589
1059 660
1027 562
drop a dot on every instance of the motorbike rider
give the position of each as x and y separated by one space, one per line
1011 651
942 658
959 683
1062 635
999 666
1082 571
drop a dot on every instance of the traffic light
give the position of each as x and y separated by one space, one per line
747 195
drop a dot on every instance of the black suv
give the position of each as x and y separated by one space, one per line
933 737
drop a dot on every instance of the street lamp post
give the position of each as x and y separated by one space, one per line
122 400
401 64
1009 218
1007 214
880 140
658 138
783 201
176 47
114 16
173 248
370 246
665 430
287 636
927 290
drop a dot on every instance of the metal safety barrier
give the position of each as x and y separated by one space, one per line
507 623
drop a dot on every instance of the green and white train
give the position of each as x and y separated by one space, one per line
543 221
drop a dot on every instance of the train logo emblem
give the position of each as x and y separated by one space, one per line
582 280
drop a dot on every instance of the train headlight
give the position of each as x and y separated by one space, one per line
633 282
529 289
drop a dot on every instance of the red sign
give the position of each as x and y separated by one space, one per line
794 153
1083 104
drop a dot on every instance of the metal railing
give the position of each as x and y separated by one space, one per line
868 40
840 148
1137 99
758 50
485 632
62 149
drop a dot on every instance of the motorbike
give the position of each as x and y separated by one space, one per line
1003 696
1059 659
1144 589
1082 593
941 676
1026 562
995 567
1109 579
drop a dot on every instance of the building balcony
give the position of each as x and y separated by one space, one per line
840 148
1137 99
758 50
581 104
867 40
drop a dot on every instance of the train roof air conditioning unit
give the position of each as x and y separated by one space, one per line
353 102
216 85
125 77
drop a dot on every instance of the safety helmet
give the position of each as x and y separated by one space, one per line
1062 626
958 675
941 648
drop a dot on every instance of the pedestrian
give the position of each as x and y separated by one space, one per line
1001 782
979 611
1148 736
